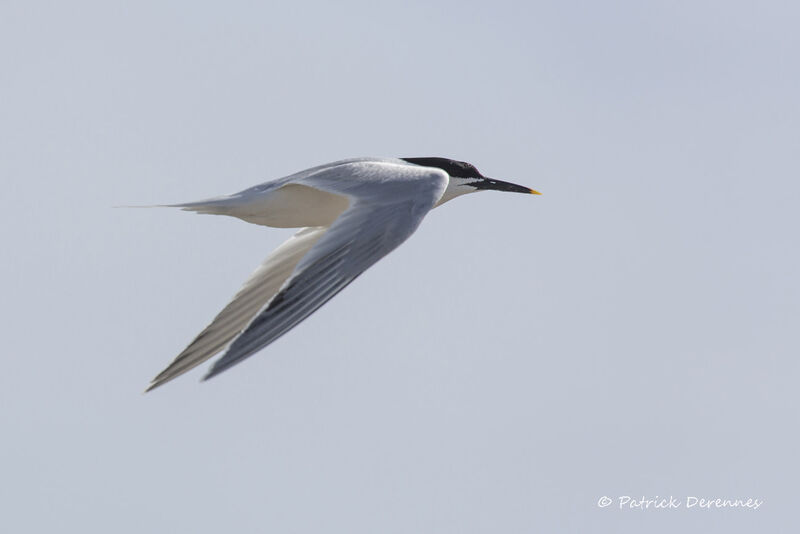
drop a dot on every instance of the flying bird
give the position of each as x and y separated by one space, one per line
351 213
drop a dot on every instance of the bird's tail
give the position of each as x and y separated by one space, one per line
214 206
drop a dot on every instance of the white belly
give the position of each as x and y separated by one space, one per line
290 206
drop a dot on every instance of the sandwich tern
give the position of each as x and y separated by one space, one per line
351 213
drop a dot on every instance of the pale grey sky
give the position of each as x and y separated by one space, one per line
634 331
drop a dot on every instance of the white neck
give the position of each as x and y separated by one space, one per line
455 188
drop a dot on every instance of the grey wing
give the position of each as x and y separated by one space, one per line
360 237
256 292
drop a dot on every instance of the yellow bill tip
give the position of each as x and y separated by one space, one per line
534 192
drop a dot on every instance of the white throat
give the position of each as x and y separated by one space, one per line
455 188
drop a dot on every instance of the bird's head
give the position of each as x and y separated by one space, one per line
465 178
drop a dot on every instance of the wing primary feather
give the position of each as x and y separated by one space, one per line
304 294
263 284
